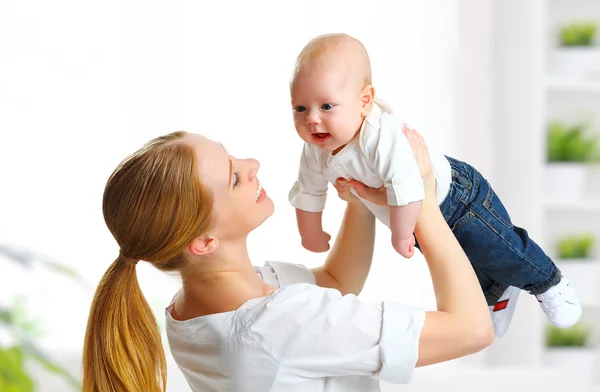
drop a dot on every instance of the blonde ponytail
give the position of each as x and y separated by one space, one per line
123 351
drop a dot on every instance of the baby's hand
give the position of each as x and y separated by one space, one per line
406 247
316 242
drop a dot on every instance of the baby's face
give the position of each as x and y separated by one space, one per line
327 108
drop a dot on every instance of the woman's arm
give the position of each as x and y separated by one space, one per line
347 266
462 323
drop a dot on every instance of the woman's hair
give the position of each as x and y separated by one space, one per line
154 205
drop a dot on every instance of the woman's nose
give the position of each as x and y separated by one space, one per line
253 166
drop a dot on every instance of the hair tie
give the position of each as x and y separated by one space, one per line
127 260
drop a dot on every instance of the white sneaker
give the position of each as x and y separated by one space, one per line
561 304
504 309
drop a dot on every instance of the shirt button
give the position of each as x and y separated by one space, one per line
396 181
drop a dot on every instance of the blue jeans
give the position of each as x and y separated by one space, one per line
501 253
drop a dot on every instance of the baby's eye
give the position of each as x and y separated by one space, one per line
327 106
300 109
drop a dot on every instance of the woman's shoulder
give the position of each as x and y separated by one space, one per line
289 279
253 318
282 274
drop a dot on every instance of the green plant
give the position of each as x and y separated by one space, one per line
578 34
576 336
20 346
571 143
575 246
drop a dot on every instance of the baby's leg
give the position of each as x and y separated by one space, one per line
503 251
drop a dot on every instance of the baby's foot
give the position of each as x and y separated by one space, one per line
561 304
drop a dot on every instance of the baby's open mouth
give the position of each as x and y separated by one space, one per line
321 137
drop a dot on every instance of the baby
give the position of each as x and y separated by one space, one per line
350 134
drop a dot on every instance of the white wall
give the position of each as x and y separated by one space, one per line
518 150
84 84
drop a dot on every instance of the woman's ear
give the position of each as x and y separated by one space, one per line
367 98
204 245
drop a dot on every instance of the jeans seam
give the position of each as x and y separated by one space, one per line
466 184
509 245
487 204
450 213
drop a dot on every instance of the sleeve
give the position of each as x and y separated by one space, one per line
388 152
287 273
309 192
320 333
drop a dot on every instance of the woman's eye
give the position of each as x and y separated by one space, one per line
236 179
327 106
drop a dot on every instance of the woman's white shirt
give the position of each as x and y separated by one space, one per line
302 337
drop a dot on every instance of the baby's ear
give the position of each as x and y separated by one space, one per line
367 98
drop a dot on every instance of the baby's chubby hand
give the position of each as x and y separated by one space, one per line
316 242
405 247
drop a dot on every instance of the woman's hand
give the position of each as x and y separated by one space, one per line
376 196
421 153
379 196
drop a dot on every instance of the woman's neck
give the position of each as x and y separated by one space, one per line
218 283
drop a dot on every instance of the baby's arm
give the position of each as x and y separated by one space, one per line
403 220
388 151
311 231
308 196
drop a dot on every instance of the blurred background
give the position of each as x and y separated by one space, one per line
511 86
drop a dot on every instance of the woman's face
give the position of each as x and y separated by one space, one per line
240 203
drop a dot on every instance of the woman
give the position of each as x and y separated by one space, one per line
183 204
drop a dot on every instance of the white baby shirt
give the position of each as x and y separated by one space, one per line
379 155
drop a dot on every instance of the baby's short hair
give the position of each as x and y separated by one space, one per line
323 48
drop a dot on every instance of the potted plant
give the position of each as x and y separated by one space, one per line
575 56
578 33
18 347
576 260
575 247
569 347
569 152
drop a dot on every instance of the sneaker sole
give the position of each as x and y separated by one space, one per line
504 309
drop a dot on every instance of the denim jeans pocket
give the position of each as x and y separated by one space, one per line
495 207
463 220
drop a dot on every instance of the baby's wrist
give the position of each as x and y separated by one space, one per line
314 234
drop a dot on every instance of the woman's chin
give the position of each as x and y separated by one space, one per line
270 207
267 209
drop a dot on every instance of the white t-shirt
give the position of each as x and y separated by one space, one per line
380 155
300 338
